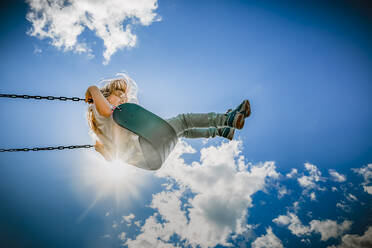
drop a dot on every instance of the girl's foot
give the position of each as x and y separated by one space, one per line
226 132
234 119
244 108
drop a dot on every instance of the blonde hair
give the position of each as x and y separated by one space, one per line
117 87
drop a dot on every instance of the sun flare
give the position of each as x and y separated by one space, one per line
99 180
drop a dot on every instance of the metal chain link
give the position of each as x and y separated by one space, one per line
50 148
61 98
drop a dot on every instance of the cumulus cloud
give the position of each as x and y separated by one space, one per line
312 196
269 240
129 217
128 220
292 173
329 228
366 172
294 224
351 197
221 185
337 177
282 191
326 228
310 181
63 21
356 241
343 206
296 206
122 236
368 189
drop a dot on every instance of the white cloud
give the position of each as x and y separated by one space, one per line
63 21
129 217
306 241
267 241
222 185
327 228
366 172
310 181
343 206
337 177
351 197
296 206
356 241
122 236
283 220
309 214
292 173
282 191
313 196
368 189
294 224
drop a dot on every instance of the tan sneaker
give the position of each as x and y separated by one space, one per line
234 119
244 108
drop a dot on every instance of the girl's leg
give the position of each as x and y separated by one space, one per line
183 122
232 118
211 132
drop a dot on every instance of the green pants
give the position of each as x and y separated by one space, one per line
199 125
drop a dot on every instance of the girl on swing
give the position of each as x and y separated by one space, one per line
115 142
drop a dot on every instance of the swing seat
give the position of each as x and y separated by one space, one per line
157 137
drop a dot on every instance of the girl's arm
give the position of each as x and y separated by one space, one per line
102 105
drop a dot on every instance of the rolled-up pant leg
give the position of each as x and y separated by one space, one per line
197 125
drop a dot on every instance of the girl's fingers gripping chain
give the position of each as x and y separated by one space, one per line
88 97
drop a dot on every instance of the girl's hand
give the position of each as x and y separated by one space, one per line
88 96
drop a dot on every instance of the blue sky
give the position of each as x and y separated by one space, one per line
305 67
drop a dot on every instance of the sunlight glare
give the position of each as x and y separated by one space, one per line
99 180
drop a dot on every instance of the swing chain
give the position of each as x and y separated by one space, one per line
61 98
50 148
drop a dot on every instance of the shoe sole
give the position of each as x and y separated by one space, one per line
245 108
239 124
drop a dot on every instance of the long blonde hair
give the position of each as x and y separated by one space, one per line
118 87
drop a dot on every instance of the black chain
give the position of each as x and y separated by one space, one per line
61 98
50 148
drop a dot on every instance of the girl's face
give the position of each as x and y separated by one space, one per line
115 100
